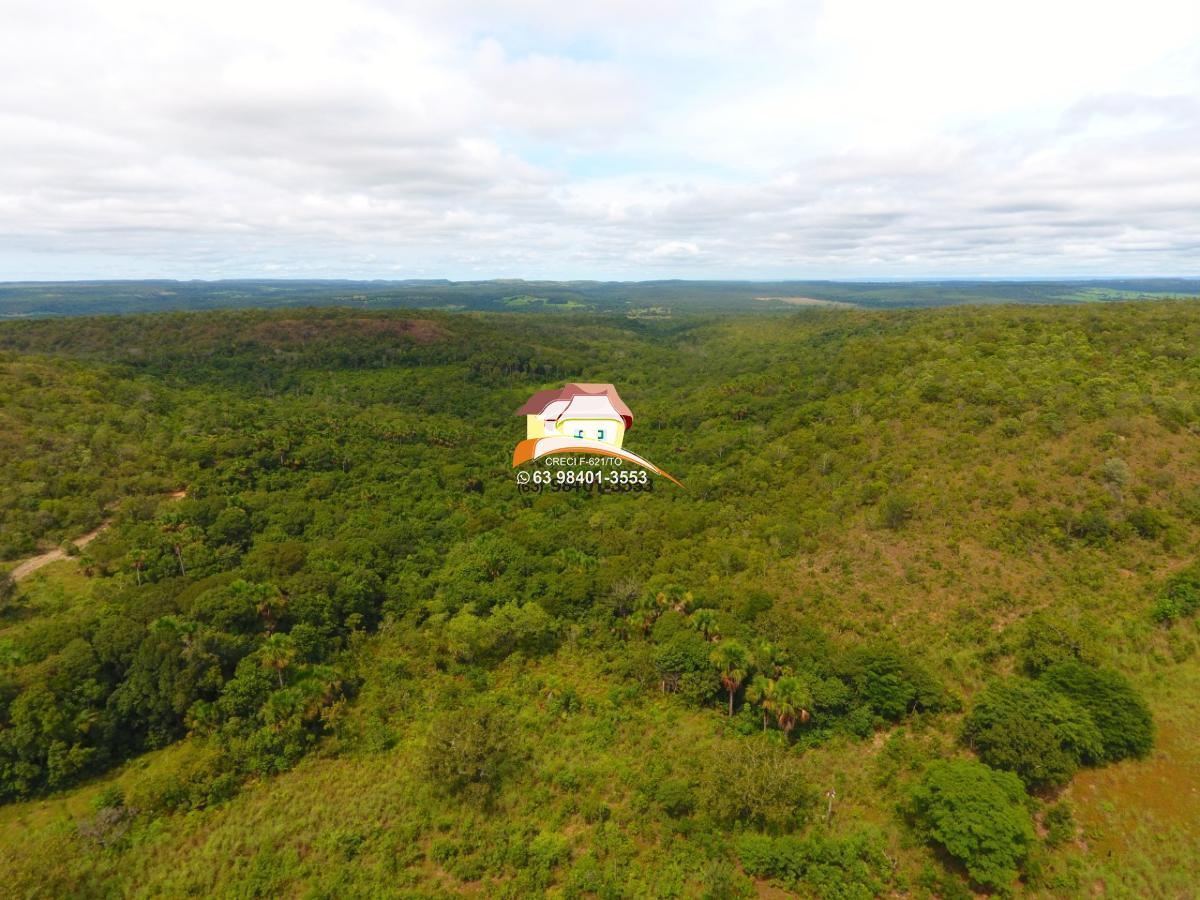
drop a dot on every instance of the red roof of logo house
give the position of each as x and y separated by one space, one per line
539 401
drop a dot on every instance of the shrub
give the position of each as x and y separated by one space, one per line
977 815
108 826
830 695
891 683
1180 598
468 752
1147 522
859 721
676 797
1010 427
683 666
1115 473
895 510
1047 639
548 850
1121 715
750 782
200 779
723 881
1092 527
510 627
1022 726
1059 824
108 797
842 868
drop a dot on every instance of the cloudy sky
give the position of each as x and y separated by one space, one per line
606 139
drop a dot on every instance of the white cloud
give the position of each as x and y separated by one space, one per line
674 251
611 139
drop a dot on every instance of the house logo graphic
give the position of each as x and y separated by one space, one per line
578 418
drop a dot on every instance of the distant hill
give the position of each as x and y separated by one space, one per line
637 298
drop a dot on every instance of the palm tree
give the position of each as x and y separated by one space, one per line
705 622
273 602
283 706
137 561
624 593
771 659
319 689
277 653
174 523
645 614
733 663
189 632
792 702
202 717
685 603
761 690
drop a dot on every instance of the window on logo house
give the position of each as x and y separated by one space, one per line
599 434
579 433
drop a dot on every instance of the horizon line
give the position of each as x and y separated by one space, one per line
925 279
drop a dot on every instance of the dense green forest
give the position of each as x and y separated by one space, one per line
921 621
644 299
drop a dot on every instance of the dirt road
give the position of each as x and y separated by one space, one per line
30 566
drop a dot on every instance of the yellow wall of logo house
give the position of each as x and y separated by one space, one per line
588 417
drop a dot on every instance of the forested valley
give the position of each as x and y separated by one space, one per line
920 622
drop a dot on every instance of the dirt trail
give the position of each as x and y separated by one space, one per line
27 568
32 565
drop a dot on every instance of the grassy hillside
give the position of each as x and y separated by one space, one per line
934 555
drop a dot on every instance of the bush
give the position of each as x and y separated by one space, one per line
891 683
682 666
1022 726
676 797
1092 527
547 851
755 783
1047 639
201 778
895 510
108 797
846 868
977 815
1180 598
1147 522
468 752
1059 824
108 826
1121 715
510 627
1115 473
723 881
